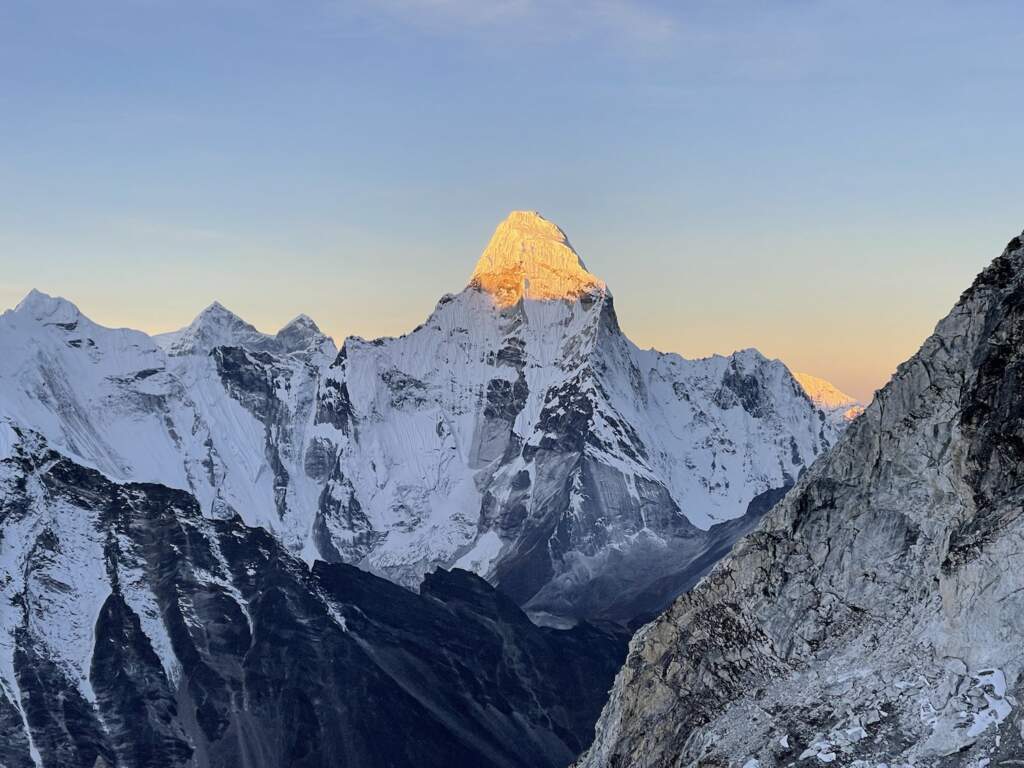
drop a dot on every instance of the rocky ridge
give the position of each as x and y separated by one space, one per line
873 617
136 632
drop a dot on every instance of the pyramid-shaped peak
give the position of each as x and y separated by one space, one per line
215 326
530 257
302 333
827 396
217 322
217 311
300 323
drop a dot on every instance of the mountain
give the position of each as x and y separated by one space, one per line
520 434
135 632
841 407
517 433
227 423
874 617
216 326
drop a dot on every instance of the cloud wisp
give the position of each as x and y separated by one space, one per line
624 22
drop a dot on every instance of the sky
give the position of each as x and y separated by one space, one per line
819 180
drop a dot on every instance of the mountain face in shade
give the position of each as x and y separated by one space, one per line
517 433
134 631
875 615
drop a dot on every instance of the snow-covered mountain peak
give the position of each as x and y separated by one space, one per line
530 257
215 326
302 322
302 333
218 316
749 358
829 397
45 308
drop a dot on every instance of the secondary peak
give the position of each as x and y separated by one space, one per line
43 307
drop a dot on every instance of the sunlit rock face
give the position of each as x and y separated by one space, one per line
531 258
516 433
135 631
875 615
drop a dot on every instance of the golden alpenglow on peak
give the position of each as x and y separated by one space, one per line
827 395
529 257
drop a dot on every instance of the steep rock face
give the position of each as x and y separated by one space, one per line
517 433
136 632
874 617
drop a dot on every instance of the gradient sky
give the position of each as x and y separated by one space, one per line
817 179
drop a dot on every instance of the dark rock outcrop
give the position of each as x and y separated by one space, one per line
143 634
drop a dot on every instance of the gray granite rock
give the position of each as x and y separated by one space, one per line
875 616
